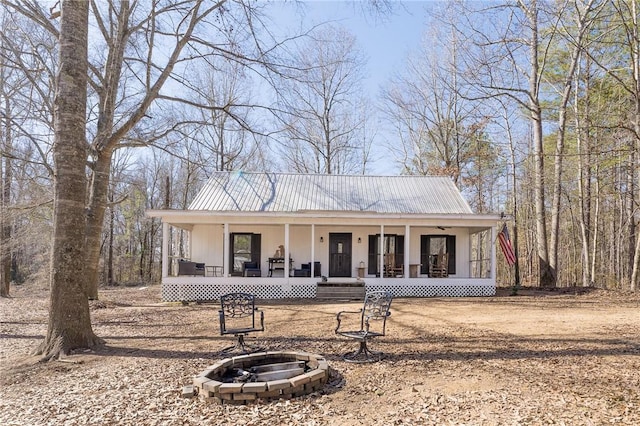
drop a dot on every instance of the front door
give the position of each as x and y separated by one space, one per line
340 255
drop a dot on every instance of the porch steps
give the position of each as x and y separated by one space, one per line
340 290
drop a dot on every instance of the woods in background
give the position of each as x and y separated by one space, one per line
532 108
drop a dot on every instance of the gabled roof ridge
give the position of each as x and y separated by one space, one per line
327 174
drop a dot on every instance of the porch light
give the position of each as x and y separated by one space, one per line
322 239
359 240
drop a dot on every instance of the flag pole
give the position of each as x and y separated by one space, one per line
509 250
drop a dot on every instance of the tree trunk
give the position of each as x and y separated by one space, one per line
104 145
584 23
584 180
112 219
635 274
5 221
5 183
96 213
547 275
108 137
69 325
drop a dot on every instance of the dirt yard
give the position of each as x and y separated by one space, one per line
564 357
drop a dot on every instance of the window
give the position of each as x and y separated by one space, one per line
244 248
432 245
393 247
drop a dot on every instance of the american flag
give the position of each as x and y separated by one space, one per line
505 245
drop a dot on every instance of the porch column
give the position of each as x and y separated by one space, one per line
313 250
381 260
225 250
286 250
407 244
165 249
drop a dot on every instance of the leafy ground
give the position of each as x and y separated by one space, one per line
565 357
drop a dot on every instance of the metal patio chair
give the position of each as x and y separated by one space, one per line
238 314
373 321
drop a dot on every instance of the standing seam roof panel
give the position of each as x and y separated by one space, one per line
271 192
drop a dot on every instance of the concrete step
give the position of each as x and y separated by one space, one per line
341 291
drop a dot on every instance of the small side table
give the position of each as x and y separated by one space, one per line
413 270
213 271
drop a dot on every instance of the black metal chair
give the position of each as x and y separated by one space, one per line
373 322
238 317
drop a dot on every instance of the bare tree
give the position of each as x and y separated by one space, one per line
504 59
127 77
225 139
627 14
5 180
441 132
26 94
575 32
320 105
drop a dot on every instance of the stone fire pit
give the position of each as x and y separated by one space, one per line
265 375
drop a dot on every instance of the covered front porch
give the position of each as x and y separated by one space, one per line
246 252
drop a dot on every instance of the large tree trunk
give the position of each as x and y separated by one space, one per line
547 275
69 319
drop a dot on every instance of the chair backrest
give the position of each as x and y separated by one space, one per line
440 265
250 265
443 264
377 305
240 308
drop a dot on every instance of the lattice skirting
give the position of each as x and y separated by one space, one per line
174 292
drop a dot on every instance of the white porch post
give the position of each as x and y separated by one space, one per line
286 250
381 260
407 244
165 249
225 250
313 250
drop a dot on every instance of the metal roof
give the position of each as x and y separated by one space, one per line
288 192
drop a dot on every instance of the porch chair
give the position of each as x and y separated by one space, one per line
373 321
439 267
186 267
305 270
251 269
238 317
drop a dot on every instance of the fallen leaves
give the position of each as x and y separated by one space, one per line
554 358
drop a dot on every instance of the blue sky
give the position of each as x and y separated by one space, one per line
385 41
